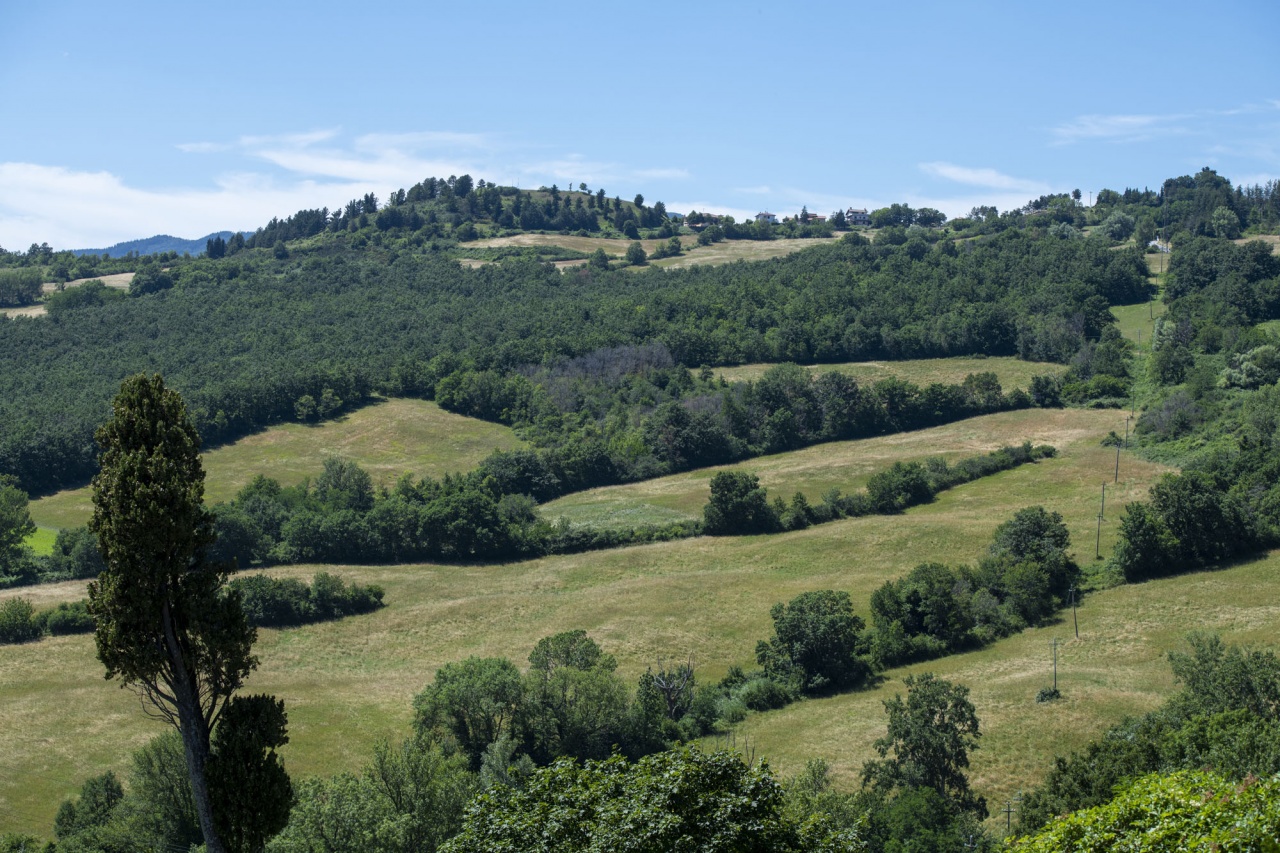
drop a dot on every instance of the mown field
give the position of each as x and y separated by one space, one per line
116 280
349 683
1136 322
1012 372
1117 667
386 438
725 252
847 465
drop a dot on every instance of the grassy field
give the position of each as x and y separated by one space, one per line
387 439
42 540
1116 668
1013 372
118 280
725 252
1136 321
349 683
847 465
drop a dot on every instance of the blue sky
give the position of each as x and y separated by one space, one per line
130 119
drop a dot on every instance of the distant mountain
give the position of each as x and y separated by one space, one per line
155 245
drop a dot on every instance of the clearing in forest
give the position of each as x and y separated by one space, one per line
1012 372
386 438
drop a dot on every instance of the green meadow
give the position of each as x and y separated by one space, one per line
387 438
346 684
1012 372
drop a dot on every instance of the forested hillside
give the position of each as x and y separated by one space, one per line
246 338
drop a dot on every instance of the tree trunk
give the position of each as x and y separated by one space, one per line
195 735
195 742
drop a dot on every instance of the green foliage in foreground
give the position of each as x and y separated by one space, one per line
409 799
680 800
1186 811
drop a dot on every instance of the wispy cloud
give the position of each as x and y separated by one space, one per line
1117 128
982 177
662 174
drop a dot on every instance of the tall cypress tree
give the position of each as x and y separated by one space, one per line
165 624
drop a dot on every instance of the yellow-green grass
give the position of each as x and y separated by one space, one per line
1273 239
117 280
1157 265
42 540
351 682
1012 372
1136 322
120 280
1116 668
387 438
725 252
847 465
728 251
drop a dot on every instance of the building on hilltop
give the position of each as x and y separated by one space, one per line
857 216
765 216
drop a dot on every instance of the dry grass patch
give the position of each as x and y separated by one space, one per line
728 251
386 438
1012 372
847 465
120 281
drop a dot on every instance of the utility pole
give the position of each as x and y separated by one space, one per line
1054 643
1126 433
1098 545
1008 812
1074 621
1102 510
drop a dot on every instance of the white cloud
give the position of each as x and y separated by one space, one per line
982 177
763 189
1116 128
957 206
285 173
79 210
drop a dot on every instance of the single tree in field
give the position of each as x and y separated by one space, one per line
930 735
165 624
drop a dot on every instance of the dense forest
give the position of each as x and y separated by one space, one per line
598 367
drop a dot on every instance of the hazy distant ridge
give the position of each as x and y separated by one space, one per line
155 245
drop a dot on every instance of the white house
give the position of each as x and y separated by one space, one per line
857 216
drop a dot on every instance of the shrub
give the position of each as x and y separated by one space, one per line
66 618
763 694
286 602
17 623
